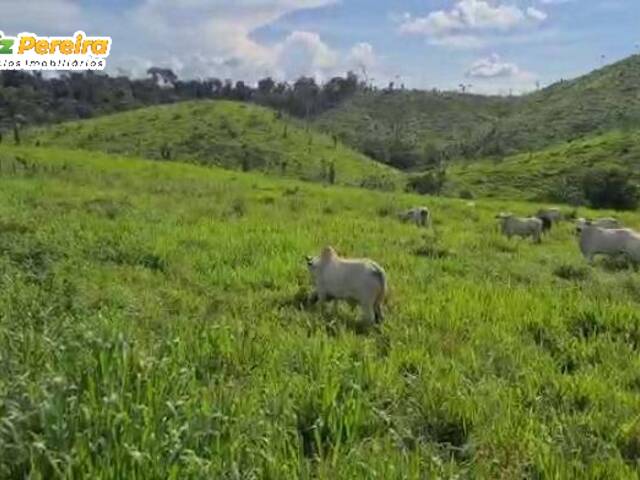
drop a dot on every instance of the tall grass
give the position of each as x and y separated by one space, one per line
150 327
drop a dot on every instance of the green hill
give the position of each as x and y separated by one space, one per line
390 125
153 325
413 128
606 99
550 174
227 134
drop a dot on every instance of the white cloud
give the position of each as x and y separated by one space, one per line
492 67
215 38
495 75
361 56
536 14
304 53
467 19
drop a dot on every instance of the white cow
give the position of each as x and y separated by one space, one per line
521 227
421 216
595 240
607 222
360 280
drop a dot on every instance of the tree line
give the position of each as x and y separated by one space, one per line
31 98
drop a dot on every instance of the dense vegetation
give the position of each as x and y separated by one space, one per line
233 135
410 130
29 98
415 129
153 324
566 173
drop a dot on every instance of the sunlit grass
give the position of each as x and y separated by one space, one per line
151 327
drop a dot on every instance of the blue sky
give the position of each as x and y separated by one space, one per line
493 46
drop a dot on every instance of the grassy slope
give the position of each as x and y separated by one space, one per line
149 329
217 133
427 117
605 99
533 176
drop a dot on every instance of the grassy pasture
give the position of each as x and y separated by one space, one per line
152 325
547 173
233 135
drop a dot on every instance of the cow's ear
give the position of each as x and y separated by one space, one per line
328 253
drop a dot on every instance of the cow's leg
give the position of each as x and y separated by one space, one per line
377 310
322 299
368 313
313 298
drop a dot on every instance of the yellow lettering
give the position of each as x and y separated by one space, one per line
42 47
66 47
100 47
76 50
86 45
26 43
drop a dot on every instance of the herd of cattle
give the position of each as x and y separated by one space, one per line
364 281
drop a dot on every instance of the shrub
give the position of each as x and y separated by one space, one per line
571 272
466 194
378 182
566 190
428 183
610 188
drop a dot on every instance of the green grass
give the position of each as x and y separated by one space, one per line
542 175
228 134
151 326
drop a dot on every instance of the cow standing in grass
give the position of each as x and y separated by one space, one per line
594 240
421 216
360 280
513 226
607 222
549 217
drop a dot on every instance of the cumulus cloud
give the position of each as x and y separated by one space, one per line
200 38
536 14
304 53
493 74
492 67
362 55
463 24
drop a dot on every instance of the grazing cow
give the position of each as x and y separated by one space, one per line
595 240
607 222
554 215
546 223
421 216
521 227
360 280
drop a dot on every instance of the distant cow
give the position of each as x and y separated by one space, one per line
361 280
421 216
554 215
595 240
513 226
